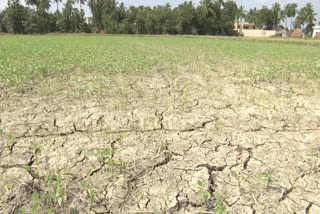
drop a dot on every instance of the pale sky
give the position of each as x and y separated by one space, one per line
246 3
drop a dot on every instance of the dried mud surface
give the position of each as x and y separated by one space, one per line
171 130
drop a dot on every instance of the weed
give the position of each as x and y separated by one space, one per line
22 211
311 151
155 210
217 125
238 177
11 140
269 176
58 191
103 155
314 156
122 165
291 90
36 200
10 137
203 194
56 188
220 204
155 98
91 191
234 174
35 148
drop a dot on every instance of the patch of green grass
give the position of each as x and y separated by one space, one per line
51 63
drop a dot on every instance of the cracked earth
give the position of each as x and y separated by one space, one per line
168 131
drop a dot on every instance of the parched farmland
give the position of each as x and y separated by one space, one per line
129 124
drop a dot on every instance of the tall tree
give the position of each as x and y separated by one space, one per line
241 15
1 20
110 16
230 10
252 15
42 19
291 10
229 16
16 15
57 2
266 18
283 17
32 3
286 13
96 8
262 18
81 2
207 16
43 6
276 13
122 11
66 16
306 18
186 19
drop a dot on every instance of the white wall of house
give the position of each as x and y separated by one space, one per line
316 29
258 33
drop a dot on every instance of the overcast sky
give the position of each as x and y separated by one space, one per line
246 3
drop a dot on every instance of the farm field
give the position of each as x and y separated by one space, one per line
168 124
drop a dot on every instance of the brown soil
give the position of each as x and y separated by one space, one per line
171 130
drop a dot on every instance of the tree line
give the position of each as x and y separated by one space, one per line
209 17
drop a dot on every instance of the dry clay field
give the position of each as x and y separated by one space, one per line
132 124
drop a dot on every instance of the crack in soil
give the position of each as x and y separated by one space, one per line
211 180
308 208
12 146
246 161
165 161
285 194
182 205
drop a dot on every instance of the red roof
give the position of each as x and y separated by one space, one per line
248 25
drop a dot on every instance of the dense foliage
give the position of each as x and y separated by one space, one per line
210 17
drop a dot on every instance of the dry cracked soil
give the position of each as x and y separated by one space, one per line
163 142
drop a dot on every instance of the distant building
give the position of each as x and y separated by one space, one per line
88 19
316 30
249 30
243 25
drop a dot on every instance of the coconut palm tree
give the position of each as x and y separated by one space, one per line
286 13
43 6
57 2
32 3
81 2
276 12
241 14
283 16
291 10
306 17
97 12
67 13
